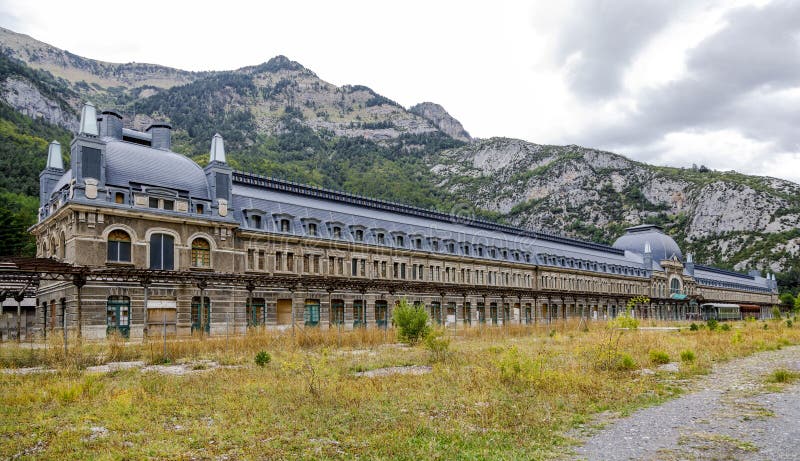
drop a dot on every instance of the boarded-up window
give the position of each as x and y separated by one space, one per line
90 162
222 185
162 252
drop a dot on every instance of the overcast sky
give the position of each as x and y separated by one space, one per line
666 82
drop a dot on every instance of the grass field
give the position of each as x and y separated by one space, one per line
493 393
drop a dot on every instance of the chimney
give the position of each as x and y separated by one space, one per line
217 153
88 120
648 257
690 264
54 159
161 136
111 124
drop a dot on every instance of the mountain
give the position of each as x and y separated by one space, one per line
279 118
436 114
726 218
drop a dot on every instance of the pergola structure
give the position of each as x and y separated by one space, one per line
20 278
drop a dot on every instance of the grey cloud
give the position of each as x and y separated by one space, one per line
607 35
732 82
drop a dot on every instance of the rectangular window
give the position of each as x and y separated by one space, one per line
119 197
152 202
200 209
262 257
290 262
251 256
90 162
403 271
255 221
340 266
331 265
383 269
162 252
337 232
256 312
317 269
169 205
278 261
363 267
381 314
222 180
306 263
312 229
375 269
337 312
354 271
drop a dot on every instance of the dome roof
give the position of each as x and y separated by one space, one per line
661 244
128 162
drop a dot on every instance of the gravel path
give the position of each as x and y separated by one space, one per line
730 414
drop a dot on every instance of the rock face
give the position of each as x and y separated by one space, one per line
26 98
723 217
436 114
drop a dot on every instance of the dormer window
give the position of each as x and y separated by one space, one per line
516 256
418 243
337 232
466 249
255 221
359 235
505 254
480 252
285 225
380 238
152 202
119 198
312 229
435 245
399 241
451 247
169 205
199 208
492 253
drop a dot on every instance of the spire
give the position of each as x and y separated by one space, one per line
689 258
54 159
647 248
217 149
88 120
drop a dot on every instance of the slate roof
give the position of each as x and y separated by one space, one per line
128 162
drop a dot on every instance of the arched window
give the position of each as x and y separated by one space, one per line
62 246
119 247
162 252
675 285
201 253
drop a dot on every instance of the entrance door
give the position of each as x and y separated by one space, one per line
118 319
201 314
256 312
493 313
382 314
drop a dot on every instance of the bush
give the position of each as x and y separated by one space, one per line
712 324
263 358
725 327
687 355
438 345
512 366
782 375
411 322
789 323
694 327
776 313
658 357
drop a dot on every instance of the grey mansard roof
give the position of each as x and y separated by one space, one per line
128 162
661 244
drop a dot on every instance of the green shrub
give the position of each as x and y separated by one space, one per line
438 345
712 324
693 327
626 362
725 327
658 357
776 313
687 355
789 323
782 375
411 322
263 358
512 366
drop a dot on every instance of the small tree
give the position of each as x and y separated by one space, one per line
787 299
411 322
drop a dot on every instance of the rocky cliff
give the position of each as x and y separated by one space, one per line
436 114
724 217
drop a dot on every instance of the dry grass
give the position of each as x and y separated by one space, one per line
500 393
